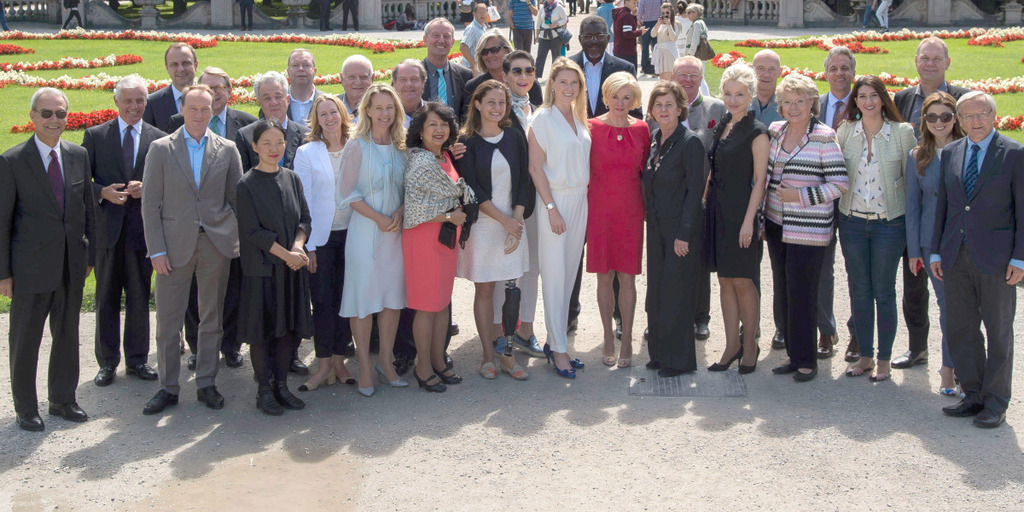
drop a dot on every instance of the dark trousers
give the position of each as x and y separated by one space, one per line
630 59
826 318
270 359
671 297
72 14
325 14
229 340
915 306
349 7
331 332
29 312
572 7
703 312
121 270
544 47
522 38
796 270
974 299
245 9
647 47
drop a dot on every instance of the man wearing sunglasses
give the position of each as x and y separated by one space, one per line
47 213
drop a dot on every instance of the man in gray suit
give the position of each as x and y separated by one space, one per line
978 251
188 196
705 113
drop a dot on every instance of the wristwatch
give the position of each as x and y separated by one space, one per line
550 206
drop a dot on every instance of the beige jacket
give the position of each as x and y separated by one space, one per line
892 144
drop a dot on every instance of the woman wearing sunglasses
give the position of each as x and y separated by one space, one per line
490 58
939 126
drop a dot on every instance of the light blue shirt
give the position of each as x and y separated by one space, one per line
592 73
300 109
196 149
177 98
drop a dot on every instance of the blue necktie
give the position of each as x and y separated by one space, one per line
971 174
442 88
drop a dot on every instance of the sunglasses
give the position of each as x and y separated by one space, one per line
944 117
46 114
524 71
493 49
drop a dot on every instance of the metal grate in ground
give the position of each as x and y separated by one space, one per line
644 382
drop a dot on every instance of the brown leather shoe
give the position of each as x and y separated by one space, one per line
852 350
827 346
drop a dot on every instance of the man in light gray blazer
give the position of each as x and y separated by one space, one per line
978 251
188 197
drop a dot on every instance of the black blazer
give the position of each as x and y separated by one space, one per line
673 192
259 227
103 143
34 236
536 92
475 167
295 136
160 106
460 77
237 119
991 220
611 65
905 99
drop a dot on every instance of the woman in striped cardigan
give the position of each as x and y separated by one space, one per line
807 174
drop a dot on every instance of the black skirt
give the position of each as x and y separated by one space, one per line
275 306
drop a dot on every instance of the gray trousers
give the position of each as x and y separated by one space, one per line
977 299
211 270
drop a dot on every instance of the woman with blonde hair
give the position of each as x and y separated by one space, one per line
318 164
371 183
559 142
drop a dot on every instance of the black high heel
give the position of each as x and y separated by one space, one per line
717 367
744 369
433 388
447 379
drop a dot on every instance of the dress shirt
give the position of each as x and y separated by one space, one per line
177 98
196 150
830 112
592 72
300 109
432 81
44 153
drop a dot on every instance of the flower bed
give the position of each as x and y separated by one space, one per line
76 120
13 49
974 36
72 63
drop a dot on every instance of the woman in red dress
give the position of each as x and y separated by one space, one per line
616 224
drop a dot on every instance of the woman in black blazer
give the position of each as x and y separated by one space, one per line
673 183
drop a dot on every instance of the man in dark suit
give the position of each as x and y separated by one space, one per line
978 251
117 154
180 62
46 234
271 90
439 36
226 121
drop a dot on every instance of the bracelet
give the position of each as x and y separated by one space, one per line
550 206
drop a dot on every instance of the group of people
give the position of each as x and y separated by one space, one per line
349 217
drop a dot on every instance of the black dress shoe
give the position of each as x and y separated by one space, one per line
966 407
210 397
192 362
701 331
783 369
266 402
105 376
286 398
574 323
647 333
804 377
298 367
142 371
989 418
159 402
453 329
70 411
31 422
778 340
672 372
233 359
910 359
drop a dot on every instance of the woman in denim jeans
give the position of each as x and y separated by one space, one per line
872 227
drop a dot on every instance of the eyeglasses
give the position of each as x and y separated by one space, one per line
599 38
801 103
46 114
978 116
944 117
524 71
493 49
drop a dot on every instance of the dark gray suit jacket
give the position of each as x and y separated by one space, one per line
160 106
34 236
460 77
295 136
237 119
991 220
611 65
905 99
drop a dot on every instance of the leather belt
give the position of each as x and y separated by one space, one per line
868 216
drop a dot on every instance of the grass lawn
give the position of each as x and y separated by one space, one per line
240 59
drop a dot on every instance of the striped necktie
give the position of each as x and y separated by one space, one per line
971 174
442 87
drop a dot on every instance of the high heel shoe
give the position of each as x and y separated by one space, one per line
574 363
367 392
397 383
744 369
433 388
718 367
569 373
448 379
326 381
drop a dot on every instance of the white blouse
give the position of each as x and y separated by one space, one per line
567 162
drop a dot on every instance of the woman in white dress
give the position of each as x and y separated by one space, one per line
560 167
497 168
666 31
371 183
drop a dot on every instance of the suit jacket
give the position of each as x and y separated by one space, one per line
316 172
905 99
611 65
703 118
295 136
160 106
673 193
34 236
173 208
460 77
991 220
236 120
103 144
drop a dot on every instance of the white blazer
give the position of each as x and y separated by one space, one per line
313 165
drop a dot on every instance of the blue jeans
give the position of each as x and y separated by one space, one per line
646 47
940 298
867 14
872 249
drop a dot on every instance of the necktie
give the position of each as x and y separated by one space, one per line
442 88
215 125
177 103
56 180
128 152
837 115
971 174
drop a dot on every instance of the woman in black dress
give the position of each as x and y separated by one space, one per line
673 182
739 165
273 224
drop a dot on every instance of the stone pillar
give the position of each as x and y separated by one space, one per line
1012 13
222 13
791 13
939 13
148 13
370 14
